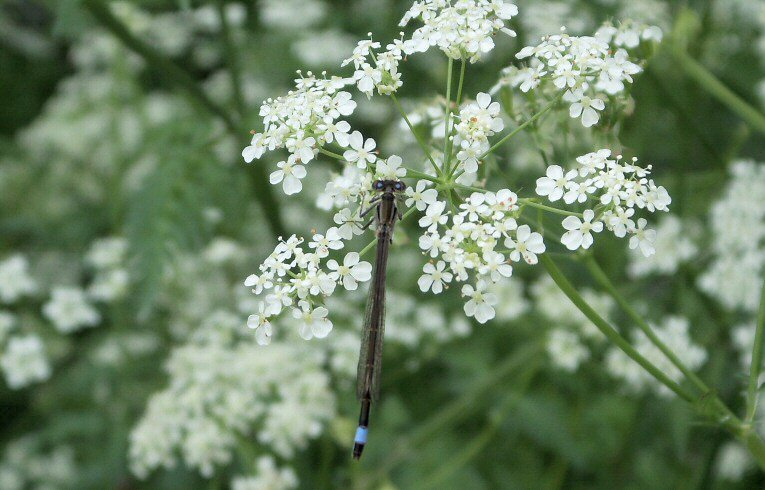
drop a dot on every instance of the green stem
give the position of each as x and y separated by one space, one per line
447 115
416 135
178 76
609 331
606 283
533 204
520 128
332 154
718 90
235 71
756 364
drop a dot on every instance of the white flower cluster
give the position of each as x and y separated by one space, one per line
24 361
477 121
381 71
302 121
674 332
461 28
584 66
26 465
269 477
737 237
619 188
69 310
293 278
472 242
628 34
674 239
107 256
15 280
219 394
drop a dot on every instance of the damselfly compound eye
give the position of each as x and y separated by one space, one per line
379 184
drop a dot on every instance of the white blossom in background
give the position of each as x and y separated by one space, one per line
7 324
15 279
737 222
742 337
553 304
460 28
733 461
512 303
218 394
268 477
283 14
28 463
628 34
69 310
674 332
677 246
617 190
565 349
24 362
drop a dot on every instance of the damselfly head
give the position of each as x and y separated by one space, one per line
389 186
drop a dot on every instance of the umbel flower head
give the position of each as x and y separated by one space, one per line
468 234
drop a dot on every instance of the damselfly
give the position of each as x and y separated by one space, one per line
387 212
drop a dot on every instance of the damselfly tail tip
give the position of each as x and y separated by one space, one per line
357 450
359 441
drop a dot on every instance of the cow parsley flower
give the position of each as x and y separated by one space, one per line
462 28
69 310
15 279
24 362
268 477
477 122
566 349
585 70
617 188
302 122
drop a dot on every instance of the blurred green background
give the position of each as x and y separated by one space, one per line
125 121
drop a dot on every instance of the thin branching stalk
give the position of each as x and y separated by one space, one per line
448 115
719 90
422 143
610 332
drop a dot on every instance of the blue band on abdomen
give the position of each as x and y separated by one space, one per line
361 435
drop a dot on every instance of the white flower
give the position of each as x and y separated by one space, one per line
351 271
24 361
323 244
554 184
527 245
434 277
261 324
481 303
362 152
15 280
314 322
420 196
289 174
578 234
258 283
268 477
390 169
643 238
434 216
69 310
495 266
566 350
585 106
